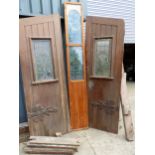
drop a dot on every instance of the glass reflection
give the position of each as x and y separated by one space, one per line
42 59
76 63
74 27
102 57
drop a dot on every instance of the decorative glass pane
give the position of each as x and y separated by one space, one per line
76 63
42 58
102 57
74 27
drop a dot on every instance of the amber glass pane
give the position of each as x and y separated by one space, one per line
102 57
74 27
42 58
76 63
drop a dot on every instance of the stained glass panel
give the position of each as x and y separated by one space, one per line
102 57
42 58
74 27
76 63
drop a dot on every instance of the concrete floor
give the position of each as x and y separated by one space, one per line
96 142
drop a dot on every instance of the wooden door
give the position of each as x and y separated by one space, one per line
104 44
42 65
75 53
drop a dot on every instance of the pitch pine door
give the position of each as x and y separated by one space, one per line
42 65
104 45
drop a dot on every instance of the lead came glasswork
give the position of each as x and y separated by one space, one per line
102 58
74 27
76 63
42 59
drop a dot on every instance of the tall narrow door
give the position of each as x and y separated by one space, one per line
104 44
75 51
42 65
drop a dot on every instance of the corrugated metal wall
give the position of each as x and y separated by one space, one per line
45 7
22 109
116 9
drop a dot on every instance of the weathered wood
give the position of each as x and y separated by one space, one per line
48 151
23 128
46 100
104 92
23 137
52 146
54 140
53 143
126 110
23 132
77 88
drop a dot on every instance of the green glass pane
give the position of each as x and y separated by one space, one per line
76 63
74 27
102 57
42 59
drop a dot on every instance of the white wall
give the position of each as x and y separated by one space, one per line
124 9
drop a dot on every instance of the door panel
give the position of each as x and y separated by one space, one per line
104 45
42 64
75 52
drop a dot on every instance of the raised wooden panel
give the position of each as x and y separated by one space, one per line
104 87
46 98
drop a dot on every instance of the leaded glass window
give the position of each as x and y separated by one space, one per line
102 57
76 63
42 59
74 27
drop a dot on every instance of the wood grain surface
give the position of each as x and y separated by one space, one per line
77 88
104 92
46 101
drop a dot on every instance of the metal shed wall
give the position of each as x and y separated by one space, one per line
45 7
124 9
22 109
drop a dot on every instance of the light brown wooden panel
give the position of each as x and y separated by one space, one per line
104 92
46 100
77 88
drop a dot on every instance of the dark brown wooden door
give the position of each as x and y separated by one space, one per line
42 65
104 44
